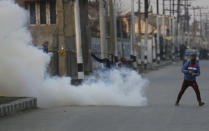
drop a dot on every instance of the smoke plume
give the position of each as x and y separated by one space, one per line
23 71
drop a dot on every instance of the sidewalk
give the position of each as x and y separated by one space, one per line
155 66
11 105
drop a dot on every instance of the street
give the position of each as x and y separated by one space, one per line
159 115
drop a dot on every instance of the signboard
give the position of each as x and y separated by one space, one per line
169 38
62 53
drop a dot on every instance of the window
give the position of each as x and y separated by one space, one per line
53 11
32 13
41 12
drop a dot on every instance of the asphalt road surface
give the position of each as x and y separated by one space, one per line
159 115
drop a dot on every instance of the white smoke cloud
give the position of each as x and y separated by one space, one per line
23 71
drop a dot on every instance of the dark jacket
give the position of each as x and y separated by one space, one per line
124 61
45 49
107 63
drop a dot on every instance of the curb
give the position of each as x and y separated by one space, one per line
163 64
166 63
156 66
17 106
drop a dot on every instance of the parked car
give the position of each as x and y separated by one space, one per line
188 53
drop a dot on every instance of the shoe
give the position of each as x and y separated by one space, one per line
176 104
201 103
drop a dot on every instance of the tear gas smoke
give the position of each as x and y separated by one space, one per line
23 71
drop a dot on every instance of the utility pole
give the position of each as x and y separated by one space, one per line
178 11
178 28
201 29
164 33
115 32
79 54
146 32
112 29
158 34
102 22
172 31
157 7
139 35
194 26
170 7
174 37
188 27
164 7
185 27
121 37
132 28
186 23
169 33
163 29
207 30
173 7
62 66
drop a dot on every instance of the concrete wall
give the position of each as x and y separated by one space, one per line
41 33
63 34
46 32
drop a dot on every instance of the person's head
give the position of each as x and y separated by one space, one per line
110 57
46 43
193 58
122 59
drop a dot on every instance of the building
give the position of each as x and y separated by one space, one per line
53 21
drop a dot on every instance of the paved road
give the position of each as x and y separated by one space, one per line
159 115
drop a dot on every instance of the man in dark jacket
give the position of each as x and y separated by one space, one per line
111 61
108 62
191 70
127 63
45 46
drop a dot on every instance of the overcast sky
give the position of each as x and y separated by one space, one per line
127 4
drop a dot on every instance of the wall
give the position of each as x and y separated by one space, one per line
42 33
64 29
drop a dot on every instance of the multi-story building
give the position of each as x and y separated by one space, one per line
53 21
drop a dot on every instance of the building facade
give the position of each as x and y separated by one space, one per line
53 21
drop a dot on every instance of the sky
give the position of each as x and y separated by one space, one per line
127 4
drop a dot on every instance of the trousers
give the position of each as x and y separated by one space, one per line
185 85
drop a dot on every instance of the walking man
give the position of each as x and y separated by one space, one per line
191 70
